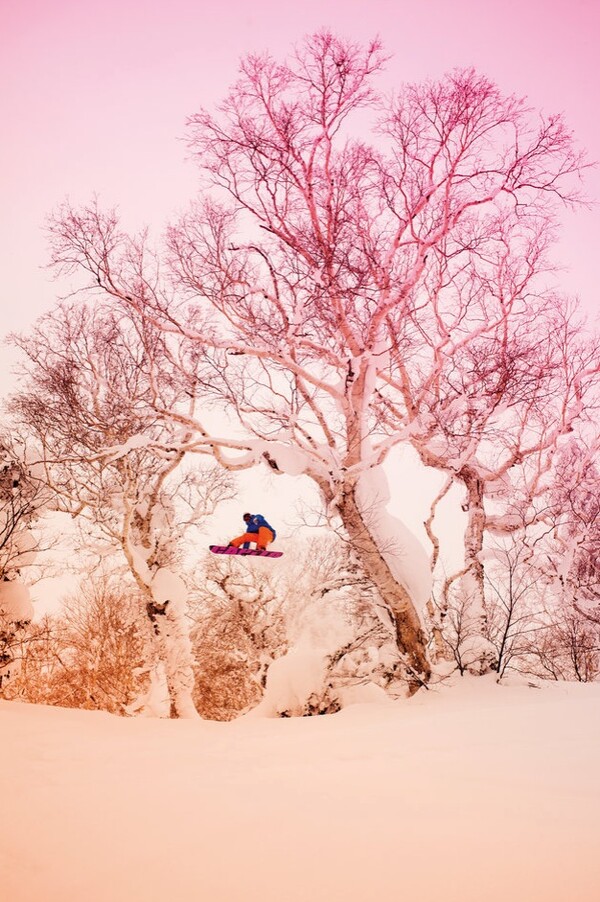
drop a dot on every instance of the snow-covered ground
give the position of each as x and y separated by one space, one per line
476 792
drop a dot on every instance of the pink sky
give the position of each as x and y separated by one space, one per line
95 95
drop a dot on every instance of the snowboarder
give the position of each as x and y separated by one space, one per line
257 530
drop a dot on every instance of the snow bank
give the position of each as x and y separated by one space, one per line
292 680
329 664
474 793
298 678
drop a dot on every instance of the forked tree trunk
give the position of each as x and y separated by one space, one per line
409 631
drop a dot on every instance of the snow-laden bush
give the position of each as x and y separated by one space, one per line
303 637
87 655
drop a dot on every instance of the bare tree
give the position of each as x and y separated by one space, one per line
24 500
519 599
14 626
567 649
326 286
89 399
575 507
497 418
38 651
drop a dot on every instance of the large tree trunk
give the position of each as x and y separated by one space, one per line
409 630
166 608
175 653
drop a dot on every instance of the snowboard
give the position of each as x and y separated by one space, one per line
230 549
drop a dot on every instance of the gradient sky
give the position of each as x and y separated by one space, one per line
95 95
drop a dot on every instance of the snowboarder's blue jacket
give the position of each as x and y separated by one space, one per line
256 521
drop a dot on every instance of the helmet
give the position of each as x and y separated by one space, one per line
246 516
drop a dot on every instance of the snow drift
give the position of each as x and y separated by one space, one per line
475 793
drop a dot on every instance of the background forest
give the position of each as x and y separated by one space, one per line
326 302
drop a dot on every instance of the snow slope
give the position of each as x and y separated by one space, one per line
476 792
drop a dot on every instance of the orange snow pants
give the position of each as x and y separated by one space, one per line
262 538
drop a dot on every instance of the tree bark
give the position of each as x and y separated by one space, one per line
175 653
472 579
171 632
409 631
